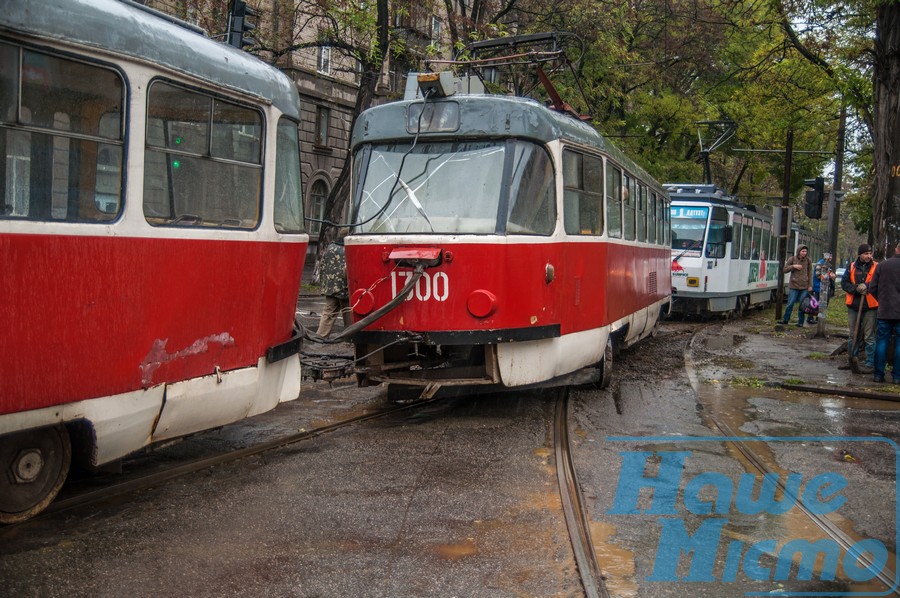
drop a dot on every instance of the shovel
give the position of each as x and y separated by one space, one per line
854 360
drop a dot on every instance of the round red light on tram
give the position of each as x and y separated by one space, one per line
481 303
362 301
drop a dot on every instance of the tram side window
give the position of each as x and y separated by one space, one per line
613 201
665 218
641 213
583 199
736 237
663 224
773 243
203 164
61 129
715 242
746 238
532 205
757 238
651 218
288 197
765 247
628 207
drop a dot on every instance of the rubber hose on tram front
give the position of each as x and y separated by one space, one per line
349 331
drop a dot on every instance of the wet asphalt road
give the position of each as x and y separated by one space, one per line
459 498
456 499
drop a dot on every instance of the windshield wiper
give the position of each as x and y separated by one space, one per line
694 245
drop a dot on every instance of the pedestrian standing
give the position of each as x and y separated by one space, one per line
861 304
886 289
824 271
799 284
334 286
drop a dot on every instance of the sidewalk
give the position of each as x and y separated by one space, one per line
758 350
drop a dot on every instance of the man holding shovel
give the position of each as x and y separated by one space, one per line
861 309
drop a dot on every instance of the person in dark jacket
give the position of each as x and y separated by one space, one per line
800 283
886 288
860 303
822 271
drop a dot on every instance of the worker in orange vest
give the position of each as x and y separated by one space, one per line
861 304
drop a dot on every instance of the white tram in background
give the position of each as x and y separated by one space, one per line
533 246
151 238
724 253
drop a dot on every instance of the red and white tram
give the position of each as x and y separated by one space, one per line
151 238
533 247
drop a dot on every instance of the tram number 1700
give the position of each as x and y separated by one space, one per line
430 287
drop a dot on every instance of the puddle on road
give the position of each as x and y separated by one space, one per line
725 341
616 563
732 407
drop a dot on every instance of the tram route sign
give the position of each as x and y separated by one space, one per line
692 513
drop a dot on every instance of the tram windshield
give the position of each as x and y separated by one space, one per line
460 187
689 227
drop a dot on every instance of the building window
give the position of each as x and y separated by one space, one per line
435 29
324 66
322 116
317 196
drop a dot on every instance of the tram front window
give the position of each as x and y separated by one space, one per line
688 227
455 187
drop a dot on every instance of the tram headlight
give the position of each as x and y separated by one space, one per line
481 303
362 302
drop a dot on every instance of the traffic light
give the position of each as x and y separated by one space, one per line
815 197
239 24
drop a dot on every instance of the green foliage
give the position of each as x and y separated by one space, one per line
748 381
653 69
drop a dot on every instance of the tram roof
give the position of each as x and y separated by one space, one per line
129 29
491 116
706 193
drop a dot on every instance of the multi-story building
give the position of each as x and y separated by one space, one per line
327 78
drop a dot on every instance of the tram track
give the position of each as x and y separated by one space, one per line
577 520
740 444
152 480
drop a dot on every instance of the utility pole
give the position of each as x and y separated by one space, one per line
834 208
785 223
834 198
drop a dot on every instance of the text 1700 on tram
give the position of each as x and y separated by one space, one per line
151 238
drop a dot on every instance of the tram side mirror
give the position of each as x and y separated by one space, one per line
729 231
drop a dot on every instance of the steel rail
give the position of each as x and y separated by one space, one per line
577 520
825 524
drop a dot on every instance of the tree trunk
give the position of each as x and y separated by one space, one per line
886 93
336 202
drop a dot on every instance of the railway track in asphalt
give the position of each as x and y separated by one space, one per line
157 478
577 520
740 443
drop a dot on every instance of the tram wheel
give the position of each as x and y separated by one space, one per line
606 364
34 466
